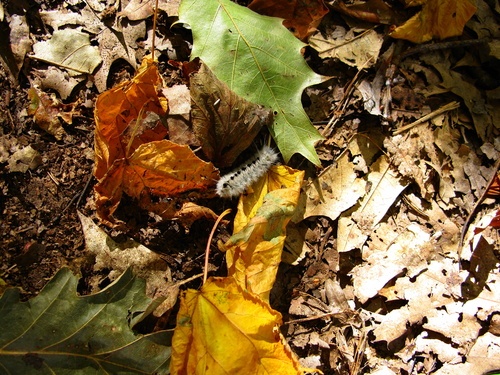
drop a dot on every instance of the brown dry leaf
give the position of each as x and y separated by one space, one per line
338 188
423 293
48 111
52 78
359 48
254 250
171 7
112 259
115 45
483 358
438 19
220 117
374 11
301 17
178 122
355 225
137 10
131 155
190 212
224 329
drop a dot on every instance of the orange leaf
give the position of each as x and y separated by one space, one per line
131 155
160 168
302 17
117 110
254 250
494 189
166 168
223 329
438 19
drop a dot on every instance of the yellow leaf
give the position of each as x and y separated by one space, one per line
438 19
224 329
254 250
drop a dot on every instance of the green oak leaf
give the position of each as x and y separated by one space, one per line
58 332
260 60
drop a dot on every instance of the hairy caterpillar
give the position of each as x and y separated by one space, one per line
235 183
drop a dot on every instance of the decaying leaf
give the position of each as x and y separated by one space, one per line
438 19
260 61
60 332
224 123
254 250
131 155
301 17
84 19
224 329
24 159
69 49
48 111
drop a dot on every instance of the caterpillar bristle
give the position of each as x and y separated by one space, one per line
238 181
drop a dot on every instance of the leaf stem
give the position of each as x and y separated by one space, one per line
155 16
207 250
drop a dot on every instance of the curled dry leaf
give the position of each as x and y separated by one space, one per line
131 155
359 50
224 123
224 329
254 250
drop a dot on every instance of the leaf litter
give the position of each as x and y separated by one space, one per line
383 285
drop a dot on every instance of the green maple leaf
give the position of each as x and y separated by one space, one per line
260 60
58 332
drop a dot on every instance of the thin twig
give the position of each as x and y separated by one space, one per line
443 109
426 48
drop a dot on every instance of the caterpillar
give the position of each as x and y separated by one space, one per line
238 181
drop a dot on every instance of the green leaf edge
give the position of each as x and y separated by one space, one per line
32 362
286 133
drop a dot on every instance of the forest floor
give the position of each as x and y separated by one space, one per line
392 266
